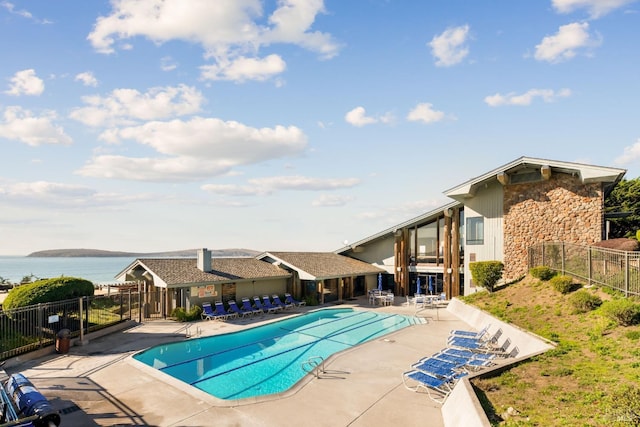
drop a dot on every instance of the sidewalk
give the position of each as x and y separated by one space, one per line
98 384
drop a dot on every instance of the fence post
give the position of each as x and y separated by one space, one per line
129 304
562 256
589 264
543 245
139 306
81 320
626 274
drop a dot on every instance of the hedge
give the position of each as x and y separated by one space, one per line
47 290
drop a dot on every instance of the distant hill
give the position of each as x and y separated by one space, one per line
187 253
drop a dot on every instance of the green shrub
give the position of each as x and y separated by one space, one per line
562 284
48 290
633 335
584 301
622 311
183 315
486 273
623 406
311 300
541 272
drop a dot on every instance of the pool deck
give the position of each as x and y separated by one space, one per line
98 383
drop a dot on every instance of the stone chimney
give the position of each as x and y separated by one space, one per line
204 259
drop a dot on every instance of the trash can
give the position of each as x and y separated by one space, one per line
63 341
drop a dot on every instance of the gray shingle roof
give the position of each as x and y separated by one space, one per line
324 265
174 271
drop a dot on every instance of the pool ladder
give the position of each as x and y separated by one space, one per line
315 365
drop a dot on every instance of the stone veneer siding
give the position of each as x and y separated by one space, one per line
560 209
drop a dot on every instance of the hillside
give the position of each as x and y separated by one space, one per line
187 253
590 379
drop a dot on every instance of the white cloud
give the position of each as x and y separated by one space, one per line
358 117
228 30
449 47
596 8
55 194
565 43
331 200
20 125
168 64
631 154
547 95
26 82
303 183
87 78
124 106
241 69
266 186
195 149
11 8
425 113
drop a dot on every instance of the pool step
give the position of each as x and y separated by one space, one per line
314 365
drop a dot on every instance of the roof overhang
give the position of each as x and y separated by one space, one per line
304 275
390 232
546 168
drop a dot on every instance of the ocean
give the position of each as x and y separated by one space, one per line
95 269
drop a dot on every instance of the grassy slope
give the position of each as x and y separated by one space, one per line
572 384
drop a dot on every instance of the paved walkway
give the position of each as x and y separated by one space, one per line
98 384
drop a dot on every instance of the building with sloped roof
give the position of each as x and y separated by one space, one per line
496 216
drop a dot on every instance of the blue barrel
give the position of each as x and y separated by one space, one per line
30 402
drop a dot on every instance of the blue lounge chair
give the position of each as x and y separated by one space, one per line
266 302
222 313
278 303
259 305
289 299
240 312
428 383
209 313
246 305
470 334
446 370
469 361
475 343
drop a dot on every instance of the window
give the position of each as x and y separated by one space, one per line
475 231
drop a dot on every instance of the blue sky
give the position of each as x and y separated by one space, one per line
153 125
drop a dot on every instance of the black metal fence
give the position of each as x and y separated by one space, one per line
29 328
619 270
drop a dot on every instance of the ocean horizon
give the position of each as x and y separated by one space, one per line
94 269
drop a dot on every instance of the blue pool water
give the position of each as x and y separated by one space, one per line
268 359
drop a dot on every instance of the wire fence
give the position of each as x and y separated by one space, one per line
29 328
619 270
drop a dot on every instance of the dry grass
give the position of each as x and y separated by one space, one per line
571 385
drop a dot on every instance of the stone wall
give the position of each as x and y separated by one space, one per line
560 209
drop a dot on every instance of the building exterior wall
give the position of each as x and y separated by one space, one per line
244 289
379 253
488 203
559 209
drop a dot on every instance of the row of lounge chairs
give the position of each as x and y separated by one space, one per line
247 308
466 351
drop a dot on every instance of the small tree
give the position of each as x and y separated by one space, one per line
486 273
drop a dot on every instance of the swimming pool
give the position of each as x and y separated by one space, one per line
268 359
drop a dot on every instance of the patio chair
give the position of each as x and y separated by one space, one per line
222 313
449 370
278 303
288 298
467 358
428 383
207 312
475 343
267 303
240 312
470 334
259 305
246 305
